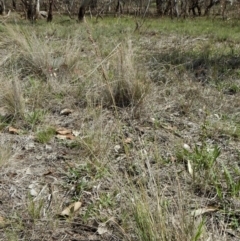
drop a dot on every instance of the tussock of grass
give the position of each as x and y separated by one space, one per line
125 87
44 136
5 154
12 100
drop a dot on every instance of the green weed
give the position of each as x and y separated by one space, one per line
35 117
45 136
35 208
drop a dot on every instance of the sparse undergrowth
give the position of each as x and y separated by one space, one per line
116 135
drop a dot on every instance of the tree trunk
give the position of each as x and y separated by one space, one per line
159 7
37 9
208 6
1 7
14 4
119 7
82 9
31 11
50 16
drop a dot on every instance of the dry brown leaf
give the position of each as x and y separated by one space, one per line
49 172
66 111
61 137
70 137
77 205
128 140
65 137
13 130
66 211
71 209
173 158
190 169
201 211
63 131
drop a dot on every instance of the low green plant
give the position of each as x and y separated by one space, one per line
232 180
35 117
84 176
89 212
35 208
201 163
203 158
106 200
45 136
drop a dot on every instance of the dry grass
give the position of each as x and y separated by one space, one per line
154 132
12 100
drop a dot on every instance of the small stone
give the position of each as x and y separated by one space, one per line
30 146
48 148
38 157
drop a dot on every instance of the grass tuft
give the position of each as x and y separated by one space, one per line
12 100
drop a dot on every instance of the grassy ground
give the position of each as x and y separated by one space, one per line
113 134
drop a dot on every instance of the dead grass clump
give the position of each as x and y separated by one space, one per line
129 89
129 93
34 53
29 52
12 100
5 154
124 86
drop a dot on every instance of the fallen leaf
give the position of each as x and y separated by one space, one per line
63 131
47 173
61 137
189 165
128 140
13 130
71 209
77 205
65 137
173 158
66 111
201 211
70 137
